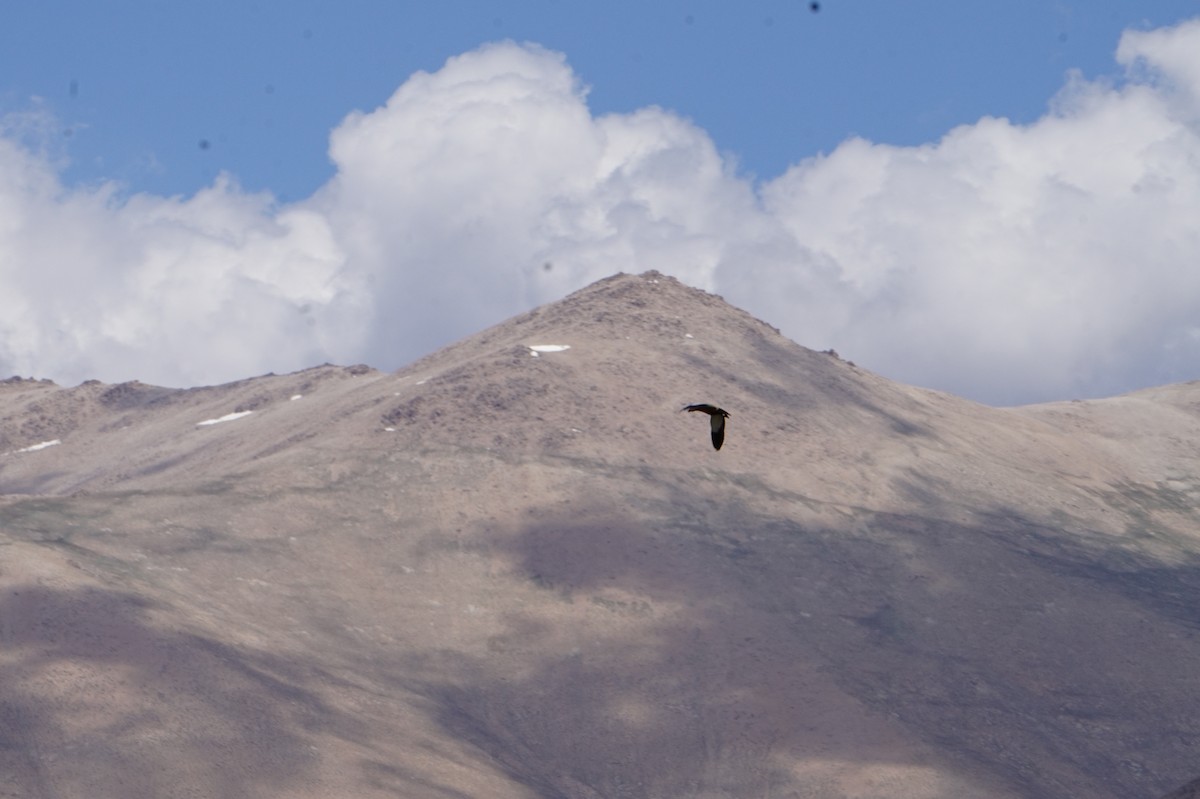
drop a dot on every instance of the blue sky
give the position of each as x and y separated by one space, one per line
208 128
141 84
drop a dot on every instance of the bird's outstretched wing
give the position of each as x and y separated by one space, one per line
718 429
716 417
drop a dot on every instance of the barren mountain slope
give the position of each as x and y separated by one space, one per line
507 574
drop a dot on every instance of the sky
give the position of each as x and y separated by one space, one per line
999 200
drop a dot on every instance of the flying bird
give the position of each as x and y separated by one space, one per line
716 418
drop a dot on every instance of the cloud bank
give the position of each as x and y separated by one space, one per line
1007 263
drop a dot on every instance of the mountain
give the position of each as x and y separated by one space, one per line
515 569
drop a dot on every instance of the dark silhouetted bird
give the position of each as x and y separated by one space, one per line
716 418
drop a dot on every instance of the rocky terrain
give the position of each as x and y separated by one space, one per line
514 569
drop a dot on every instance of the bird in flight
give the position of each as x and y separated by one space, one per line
716 418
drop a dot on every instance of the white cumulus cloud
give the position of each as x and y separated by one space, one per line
168 290
1014 262
1005 262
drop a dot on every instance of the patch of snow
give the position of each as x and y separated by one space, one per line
43 445
534 349
688 335
229 417
295 397
389 429
421 382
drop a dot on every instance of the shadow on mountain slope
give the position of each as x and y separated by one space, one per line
740 652
97 700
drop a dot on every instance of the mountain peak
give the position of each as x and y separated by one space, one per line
600 373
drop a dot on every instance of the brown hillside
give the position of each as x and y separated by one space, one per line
502 574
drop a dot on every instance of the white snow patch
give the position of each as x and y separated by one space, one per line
389 429
229 417
295 397
534 349
421 382
43 445
688 335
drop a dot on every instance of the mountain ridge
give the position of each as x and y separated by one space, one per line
519 573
